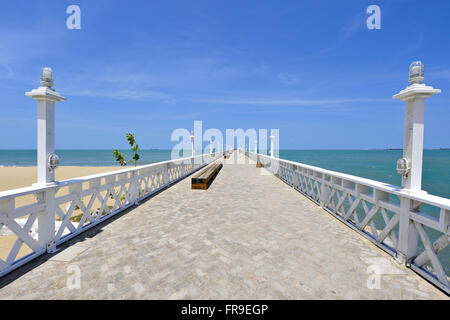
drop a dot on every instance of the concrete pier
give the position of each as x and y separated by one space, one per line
249 236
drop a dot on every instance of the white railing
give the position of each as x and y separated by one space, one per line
399 222
54 214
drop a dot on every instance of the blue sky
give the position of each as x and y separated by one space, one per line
310 68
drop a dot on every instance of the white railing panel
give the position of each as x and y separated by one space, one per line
374 209
64 210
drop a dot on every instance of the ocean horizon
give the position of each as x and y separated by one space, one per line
375 164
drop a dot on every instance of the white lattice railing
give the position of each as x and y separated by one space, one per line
415 228
35 220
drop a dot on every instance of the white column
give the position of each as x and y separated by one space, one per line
413 142
414 95
271 143
210 146
46 98
256 146
410 166
192 144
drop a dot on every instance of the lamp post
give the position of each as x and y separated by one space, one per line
192 144
271 142
410 166
46 96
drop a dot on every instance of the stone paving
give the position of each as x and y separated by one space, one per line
249 236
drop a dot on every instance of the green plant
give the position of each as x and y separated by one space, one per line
120 157
134 147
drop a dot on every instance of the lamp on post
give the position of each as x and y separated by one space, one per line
46 96
410 166
192 143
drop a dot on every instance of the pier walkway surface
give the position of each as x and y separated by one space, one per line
249 236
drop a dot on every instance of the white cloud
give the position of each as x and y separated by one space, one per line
293 102
121 94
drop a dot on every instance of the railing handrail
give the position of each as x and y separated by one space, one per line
396 190
63 183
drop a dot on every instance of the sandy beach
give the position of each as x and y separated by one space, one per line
18 177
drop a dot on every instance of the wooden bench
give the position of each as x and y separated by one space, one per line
204 179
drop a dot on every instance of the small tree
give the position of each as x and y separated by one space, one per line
134 147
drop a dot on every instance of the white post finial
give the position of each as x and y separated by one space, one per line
271 143
410 166
192 143
46 97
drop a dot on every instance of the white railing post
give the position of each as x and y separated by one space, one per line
410 166
192 144
166 174
46 220
47 161
134 194
46 98
407 233
324 191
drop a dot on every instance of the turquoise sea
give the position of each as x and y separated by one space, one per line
373 164
377 165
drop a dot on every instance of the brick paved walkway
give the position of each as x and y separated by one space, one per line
249 236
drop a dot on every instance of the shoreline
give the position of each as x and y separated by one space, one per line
25 176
